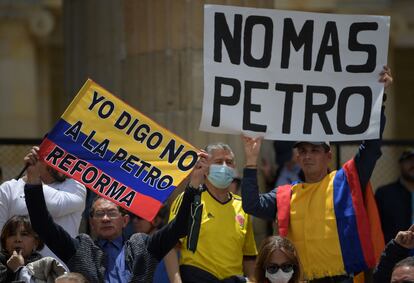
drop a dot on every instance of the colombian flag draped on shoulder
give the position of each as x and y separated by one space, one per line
117 152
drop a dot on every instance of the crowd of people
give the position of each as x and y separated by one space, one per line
328 224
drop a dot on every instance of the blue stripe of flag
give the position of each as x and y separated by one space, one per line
351 248
111 168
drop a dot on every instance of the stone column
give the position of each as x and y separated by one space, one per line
93 38
24 86
149 53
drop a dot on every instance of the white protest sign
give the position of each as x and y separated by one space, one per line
290 75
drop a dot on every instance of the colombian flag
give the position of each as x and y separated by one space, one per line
117 152
342 234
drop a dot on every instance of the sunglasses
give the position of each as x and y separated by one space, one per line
286 267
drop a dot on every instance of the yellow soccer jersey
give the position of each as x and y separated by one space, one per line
226 235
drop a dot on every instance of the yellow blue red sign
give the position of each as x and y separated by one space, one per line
117 152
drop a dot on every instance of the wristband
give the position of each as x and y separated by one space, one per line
199 188
250 166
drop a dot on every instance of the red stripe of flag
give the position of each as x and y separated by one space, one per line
142 205
362 220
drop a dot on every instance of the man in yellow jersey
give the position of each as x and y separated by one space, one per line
226 249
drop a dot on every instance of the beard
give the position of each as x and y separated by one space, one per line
59 177
406 175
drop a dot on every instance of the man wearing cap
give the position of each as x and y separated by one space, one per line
395 200
325 215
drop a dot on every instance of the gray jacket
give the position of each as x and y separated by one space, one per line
83 255
89 259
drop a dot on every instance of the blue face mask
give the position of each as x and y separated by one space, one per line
220 176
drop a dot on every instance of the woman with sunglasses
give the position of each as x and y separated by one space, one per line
277 262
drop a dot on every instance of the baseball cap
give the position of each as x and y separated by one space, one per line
325 144
406 154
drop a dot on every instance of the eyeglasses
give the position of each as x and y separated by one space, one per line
110 213
273 268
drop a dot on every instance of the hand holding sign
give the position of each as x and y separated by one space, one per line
32 163
117 152
200 170
386 77
289 75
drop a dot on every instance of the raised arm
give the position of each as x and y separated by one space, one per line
396 250
54 236
259 205
370 151
63 198
162 241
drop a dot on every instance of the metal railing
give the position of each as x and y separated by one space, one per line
12 152
387 168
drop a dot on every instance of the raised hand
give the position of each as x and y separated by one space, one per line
32 162
406 238
386 77
251 150
200 170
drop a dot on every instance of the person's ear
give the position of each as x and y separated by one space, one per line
156 222
330 155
